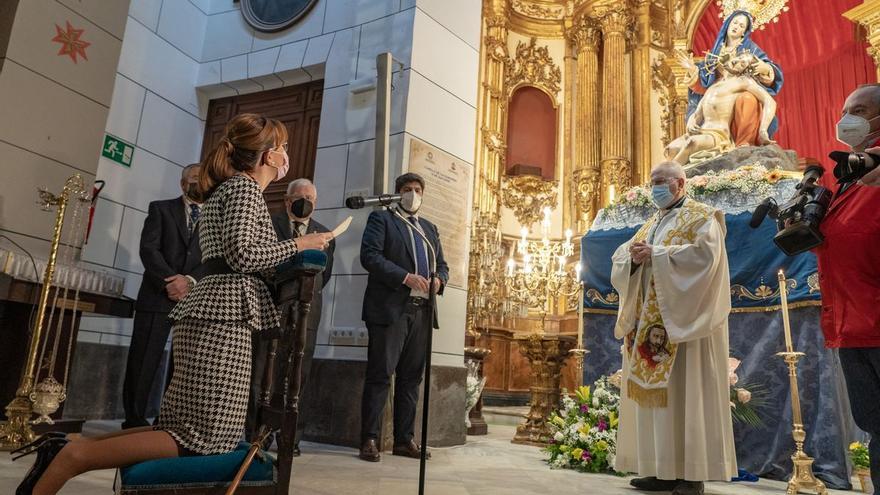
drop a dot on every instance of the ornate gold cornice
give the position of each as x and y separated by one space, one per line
868 15
534 66
527 196
540 10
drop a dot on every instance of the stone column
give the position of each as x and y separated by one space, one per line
641 96
868 15
616 22
585 35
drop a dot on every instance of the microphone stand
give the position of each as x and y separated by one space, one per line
432 301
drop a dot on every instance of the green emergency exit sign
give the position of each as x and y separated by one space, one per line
117 150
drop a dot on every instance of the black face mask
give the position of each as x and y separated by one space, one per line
302 208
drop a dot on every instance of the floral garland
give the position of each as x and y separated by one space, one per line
584 431
750 180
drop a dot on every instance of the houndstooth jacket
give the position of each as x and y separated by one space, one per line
235 225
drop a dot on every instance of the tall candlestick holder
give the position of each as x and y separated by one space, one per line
802 476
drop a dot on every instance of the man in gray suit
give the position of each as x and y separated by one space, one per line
296 220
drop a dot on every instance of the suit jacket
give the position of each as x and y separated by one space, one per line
167 248
281 222
387 255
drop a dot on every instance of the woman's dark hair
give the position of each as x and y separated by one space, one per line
247 136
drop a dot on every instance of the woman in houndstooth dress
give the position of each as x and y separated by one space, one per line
204 408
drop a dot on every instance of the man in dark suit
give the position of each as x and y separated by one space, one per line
395 311
294 221
172 263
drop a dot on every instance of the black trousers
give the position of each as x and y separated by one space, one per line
144 365
861 369
397 348
258 367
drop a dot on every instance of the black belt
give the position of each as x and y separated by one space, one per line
417 301
217 266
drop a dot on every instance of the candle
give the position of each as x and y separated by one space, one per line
580 297
510 267
524 232
568 234
785 323
561 264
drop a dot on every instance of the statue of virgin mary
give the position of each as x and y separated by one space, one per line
735 37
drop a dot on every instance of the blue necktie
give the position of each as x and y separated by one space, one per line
194 213
421 256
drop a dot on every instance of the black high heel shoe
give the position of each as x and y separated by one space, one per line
46 451
27 449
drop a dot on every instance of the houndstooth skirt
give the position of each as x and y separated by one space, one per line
205 406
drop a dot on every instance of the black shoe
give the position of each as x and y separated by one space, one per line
409 449
652 484
27 449
688 488
296 451
45 453
370 450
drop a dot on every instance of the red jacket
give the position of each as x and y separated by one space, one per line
849 269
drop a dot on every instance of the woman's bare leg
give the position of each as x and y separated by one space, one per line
120 449
113 434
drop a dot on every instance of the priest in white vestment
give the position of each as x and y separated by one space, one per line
674 285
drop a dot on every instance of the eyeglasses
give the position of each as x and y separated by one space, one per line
284 145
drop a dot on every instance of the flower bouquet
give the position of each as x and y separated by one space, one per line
745 400
584 431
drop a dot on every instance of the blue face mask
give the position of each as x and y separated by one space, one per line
661 195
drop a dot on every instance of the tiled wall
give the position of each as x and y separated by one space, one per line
53 107
177 54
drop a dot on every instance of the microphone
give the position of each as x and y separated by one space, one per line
357 202
761 211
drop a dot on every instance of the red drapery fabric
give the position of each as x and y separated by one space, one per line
822 62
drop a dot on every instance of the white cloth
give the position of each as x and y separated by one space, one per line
692 437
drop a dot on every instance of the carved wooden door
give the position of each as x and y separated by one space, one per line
298 107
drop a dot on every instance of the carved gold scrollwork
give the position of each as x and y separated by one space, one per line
616 172
762 292
610 299
527 196
813 283
585 34
539 10
585 187
494 141
533 65
616 19
663 81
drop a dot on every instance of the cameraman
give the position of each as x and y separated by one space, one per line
849 270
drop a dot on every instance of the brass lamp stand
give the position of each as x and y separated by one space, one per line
16 430
802 476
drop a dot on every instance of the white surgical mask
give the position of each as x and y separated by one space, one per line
661 195
853 130
411 201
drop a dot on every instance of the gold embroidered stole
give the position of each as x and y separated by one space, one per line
651 355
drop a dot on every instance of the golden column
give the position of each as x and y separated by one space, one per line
641 84
490 147
868 15
683 80
616 22
585 35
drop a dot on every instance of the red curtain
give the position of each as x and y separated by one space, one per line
822 62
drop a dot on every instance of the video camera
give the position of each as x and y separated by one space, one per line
853 166
798 219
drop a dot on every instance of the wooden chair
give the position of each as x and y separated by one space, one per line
277 411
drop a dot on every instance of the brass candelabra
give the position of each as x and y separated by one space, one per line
484 301
540 279
802 476
16 430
